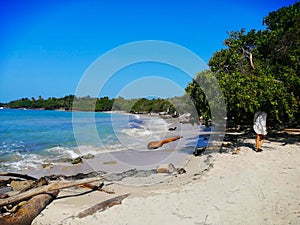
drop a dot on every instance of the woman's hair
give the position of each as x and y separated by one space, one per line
263 107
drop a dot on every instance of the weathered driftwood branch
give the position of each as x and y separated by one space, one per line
97 188
158 144
23 176
27 212
46 188
102 206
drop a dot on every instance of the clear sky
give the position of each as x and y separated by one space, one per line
46 46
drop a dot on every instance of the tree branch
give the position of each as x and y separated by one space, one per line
249 56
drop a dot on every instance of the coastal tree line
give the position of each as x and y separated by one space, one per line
71 102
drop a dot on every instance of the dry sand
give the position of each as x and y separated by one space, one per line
218 188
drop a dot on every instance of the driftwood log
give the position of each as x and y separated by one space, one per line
27 212
158 144
45 189
102 206
23 176
97 188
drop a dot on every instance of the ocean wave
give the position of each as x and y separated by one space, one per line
21 162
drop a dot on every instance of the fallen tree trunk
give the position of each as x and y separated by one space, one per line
23 176
102 206
158 144
27 212
46 188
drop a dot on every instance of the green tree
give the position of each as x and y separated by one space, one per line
104 104
259 69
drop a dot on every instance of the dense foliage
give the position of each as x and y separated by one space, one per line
71 102
258 70
40 103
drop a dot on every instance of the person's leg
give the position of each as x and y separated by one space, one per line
262 140
257 141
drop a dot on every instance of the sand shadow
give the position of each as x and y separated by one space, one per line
238 137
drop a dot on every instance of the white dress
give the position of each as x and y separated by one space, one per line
260 123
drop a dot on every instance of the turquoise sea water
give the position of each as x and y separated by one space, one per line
29 138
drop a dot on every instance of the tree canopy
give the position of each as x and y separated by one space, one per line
258 70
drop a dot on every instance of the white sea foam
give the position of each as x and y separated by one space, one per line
24 162
135 132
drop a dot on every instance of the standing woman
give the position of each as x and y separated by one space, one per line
260 128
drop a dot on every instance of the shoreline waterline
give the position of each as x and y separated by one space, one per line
133 134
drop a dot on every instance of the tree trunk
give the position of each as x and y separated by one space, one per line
27 212
158 144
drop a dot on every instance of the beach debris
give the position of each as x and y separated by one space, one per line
227 144
27 198
97 188
47 165
88 156
181 170
37 183
236 151
199 151
129 173
25 212
110 163
158 144
103 206
78 176
18 185
45 189
166 168
172 128
23 176
77 160
33 195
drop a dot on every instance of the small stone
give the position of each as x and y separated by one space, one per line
110 163
47 165
236 151
88 156
20 185
181 170
77 160
166 168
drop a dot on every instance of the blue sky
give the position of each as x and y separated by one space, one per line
46 46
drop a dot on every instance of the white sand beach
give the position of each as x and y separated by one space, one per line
217 188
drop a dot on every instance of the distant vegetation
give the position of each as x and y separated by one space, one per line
40 103
72 102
